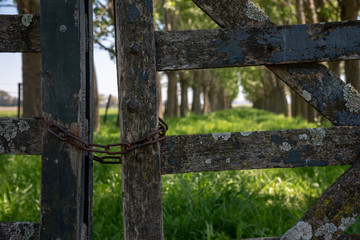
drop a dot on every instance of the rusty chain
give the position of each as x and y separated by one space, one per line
64 135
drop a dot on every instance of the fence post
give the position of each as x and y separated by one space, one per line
141 177
19 100
66 188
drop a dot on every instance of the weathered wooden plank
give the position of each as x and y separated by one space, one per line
338 102
64 209
244 150
335 211
20 33
141 176
255 150
19 230
218 48
20 136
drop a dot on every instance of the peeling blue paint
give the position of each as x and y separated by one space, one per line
306 148
276 139
171 161
233 50
148 5
327 91
170 145
218 41
260 156
141 77
242 157
346 118
331 44
133 13
293 158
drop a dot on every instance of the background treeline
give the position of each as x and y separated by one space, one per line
215 89
7 100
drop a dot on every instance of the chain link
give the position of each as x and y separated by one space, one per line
62 134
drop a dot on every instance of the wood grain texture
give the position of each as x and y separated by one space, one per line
20 33
64 209
256 150
141 176
19 231
338 102
218 48
20 136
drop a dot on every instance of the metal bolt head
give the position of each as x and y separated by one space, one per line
62 28
132 105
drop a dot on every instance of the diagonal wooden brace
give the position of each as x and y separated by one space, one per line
338 207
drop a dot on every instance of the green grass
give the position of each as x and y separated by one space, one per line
212 205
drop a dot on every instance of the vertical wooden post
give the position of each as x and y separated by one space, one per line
66 187
19 100
138 115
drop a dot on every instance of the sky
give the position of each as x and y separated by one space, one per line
10 68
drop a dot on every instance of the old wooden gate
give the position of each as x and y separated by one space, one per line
248 38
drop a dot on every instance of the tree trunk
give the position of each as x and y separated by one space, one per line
349 11
31 68
159 94
96 105
207 89
196 103
184 85
171 109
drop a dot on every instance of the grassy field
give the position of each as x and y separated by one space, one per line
213 205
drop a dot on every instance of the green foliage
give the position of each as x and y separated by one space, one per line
207 205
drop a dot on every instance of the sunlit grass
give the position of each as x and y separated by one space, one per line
212 205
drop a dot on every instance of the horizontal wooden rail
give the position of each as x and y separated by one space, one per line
219 47
258 45
30 231
256 150
220 151
20 33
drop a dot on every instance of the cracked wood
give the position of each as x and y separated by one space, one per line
218 48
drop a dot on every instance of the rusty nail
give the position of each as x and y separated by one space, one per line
62 28
132 105
140 157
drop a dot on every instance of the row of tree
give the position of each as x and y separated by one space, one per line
264 89
7 100
216 87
